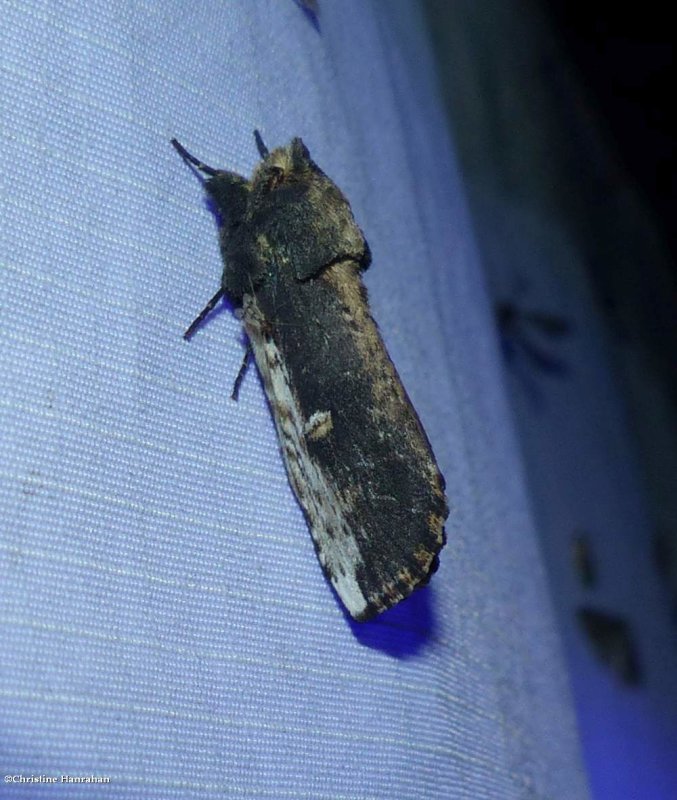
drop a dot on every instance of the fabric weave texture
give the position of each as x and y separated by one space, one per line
164 618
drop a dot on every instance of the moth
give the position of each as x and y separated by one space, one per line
356 454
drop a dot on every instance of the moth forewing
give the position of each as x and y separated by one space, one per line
334 541
355 452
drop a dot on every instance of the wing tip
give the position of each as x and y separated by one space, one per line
415 575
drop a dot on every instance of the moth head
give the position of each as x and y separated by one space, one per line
305 219
282 166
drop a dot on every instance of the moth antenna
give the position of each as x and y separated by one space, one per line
190 159
263 150
205 311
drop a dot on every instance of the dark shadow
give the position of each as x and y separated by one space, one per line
401 631
541 360
613 642
523 374
311 11
518 327
583 558
519 330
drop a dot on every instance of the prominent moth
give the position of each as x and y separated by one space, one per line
356 454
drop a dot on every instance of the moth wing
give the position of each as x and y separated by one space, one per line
372 559
334 541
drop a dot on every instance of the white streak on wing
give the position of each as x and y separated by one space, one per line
338 552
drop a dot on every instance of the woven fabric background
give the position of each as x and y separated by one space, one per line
164 619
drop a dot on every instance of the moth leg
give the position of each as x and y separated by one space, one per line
205 311
242 371
260 146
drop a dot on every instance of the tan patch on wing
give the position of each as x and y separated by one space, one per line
436 523
319 425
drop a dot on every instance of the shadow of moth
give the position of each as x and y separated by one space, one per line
356 454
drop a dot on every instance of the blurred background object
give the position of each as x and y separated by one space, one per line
562 114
